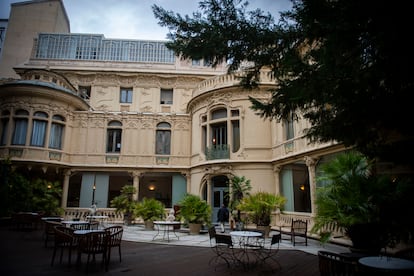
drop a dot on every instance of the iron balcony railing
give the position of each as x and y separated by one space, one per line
217 152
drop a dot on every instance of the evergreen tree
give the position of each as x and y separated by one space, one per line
344 65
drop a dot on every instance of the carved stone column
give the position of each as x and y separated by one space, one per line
135 183
209 189
276 177
65 190
187 176
311 163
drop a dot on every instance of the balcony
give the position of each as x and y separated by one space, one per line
217 152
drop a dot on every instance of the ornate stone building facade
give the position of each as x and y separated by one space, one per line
97 114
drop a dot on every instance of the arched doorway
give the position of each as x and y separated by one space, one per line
220 186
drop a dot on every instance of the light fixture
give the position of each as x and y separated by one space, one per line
49 186
302 187
151 187
94 187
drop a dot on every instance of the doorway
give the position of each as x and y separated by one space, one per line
220 194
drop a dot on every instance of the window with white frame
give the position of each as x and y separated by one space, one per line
166 96
125 95
163 139
21 120
114 136
40 120
56 132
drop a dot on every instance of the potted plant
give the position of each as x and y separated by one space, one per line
125 203
240 187
259 207
350 196
195 212
150 209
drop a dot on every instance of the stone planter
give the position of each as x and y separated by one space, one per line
194 228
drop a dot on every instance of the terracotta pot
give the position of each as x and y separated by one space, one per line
194 228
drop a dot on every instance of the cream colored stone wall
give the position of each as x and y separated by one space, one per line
26 20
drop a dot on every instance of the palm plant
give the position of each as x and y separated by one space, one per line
150 209
194 210
260 206
239 188
351 197
125 203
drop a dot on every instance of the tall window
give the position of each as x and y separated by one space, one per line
20 127
289 130
39 129
166 96
163 139
4 127
125 95
56 132
114 135
220 133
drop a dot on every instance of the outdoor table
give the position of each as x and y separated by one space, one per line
58 219
100 218
166 227
388 265
68 223
248 243
84 232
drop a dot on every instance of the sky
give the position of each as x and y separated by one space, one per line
132 19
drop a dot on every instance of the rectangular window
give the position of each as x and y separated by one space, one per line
56 134
126 95
163 141
20 131
114 140
4 128
290 132
166 96
38 133
85 92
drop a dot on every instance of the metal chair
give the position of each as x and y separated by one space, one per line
49 230
299 229
222 246
114 240
334 264
92 244
64 240
269 253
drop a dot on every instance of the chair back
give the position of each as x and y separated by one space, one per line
275 239
114 235
50 227
333 264
299 226
224 240
94 242
212 232
63 236
80 226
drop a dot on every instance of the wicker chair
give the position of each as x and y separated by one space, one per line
334 264
64 240
114 240
299 229
92 244
49 230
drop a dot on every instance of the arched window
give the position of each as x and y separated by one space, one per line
114 136
220 133
20 127
163 139
39 129
56 132
4 127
